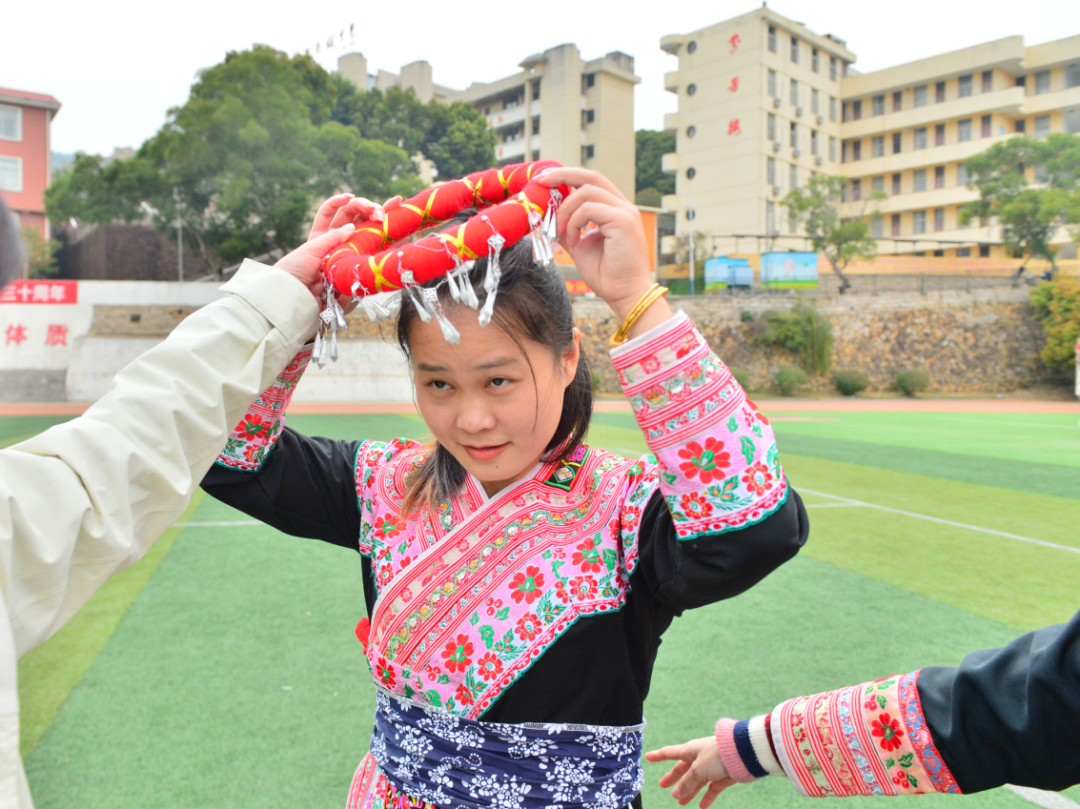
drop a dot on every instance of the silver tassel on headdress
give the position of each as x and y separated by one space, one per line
332 320
491 277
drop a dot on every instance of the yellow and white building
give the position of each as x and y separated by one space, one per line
798 108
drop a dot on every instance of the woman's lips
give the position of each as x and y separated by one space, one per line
485 453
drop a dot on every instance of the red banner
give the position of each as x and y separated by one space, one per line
575 286
37 291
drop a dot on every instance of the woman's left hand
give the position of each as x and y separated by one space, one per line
613 258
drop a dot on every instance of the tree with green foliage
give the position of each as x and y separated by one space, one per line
816 206
1057 307
1029 216
804 332
40 253
652 145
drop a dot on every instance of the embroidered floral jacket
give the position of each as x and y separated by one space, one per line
545 603
1004 716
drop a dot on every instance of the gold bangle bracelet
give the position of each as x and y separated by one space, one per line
655 293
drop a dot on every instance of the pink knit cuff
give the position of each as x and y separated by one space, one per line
725 741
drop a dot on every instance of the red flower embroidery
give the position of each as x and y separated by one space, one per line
560 592
527 585
695 506
492 605
900 779
404 563
528 626
757 413
582 587
758 479
458 654
630 518
489 666
385 673
253 427
871 703
650 364
464 695
686 346
432 672
587 557
253 453
387 527
888 730
709 462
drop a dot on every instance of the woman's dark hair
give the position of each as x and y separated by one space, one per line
531 304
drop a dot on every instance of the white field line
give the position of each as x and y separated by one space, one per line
1047 800
830 505
219 524
939 520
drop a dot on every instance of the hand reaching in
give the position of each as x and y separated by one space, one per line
699 763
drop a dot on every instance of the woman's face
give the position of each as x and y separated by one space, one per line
480 400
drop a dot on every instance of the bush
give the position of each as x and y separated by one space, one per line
741 377
851 382
1057 307
912 381
746 316
803 331
790 378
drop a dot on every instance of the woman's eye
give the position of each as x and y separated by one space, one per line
499 382
438 384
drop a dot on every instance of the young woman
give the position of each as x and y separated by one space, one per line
517 580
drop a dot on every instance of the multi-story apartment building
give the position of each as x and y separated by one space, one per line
764 103
26 154
558 107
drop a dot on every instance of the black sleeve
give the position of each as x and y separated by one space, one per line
1012 715
305 488
684 574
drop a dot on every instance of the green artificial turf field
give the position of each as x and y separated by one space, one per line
223 671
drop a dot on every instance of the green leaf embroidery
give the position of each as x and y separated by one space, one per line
669 478
404 546
474 619
450 704
882 701
409 692
757 430
433 698
443 679
488 635
546 555
907 759
610 559
406 673
732 425
748 449
913 781
508 638
890 763
503 614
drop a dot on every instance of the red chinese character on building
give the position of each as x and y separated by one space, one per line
733 127
734 84
16 334
57 335
735 41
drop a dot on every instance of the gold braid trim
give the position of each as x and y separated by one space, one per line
381 284
458 241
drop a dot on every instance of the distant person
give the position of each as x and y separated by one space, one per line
87 498
1005 716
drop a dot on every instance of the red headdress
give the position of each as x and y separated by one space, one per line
511 205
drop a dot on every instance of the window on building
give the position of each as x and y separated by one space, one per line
984 251
856 150
877 227
984 126
510 103
589 79
691 131
963 130
10 123
895 225
770 126
692 46
691 173
1021 126
963 252
1042 126
877 185
856 110
794 141
897 101
770 171
770 217
536 124
961 174
987 81
877 146
939 253
815 101
793 177
794 50
856 190
772 83
918 180
939 135
11 174
772 38
815 149
590 116
939 177
1042 82
832 149
921 96
832 68
919 141
588 152
536 89
897 139
691 89
918 222
815 61
879 105
794 92
832 108
964 86
896 184
939 92
1072 75
939 220
1021 81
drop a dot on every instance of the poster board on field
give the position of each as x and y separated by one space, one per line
789 270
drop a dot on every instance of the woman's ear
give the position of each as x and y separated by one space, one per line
571 357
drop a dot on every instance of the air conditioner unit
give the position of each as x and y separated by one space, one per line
819 161
777 146
797 153
820 120
776 102
798 110
776 190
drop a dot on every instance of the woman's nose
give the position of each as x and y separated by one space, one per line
475 417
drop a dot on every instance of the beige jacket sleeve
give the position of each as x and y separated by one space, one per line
86 499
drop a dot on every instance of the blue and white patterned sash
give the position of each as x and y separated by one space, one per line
451 761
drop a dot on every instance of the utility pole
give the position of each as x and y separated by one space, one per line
179 235
690 216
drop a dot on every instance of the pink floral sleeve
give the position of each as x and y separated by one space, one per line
718 465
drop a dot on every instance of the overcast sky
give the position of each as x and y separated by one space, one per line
118 66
